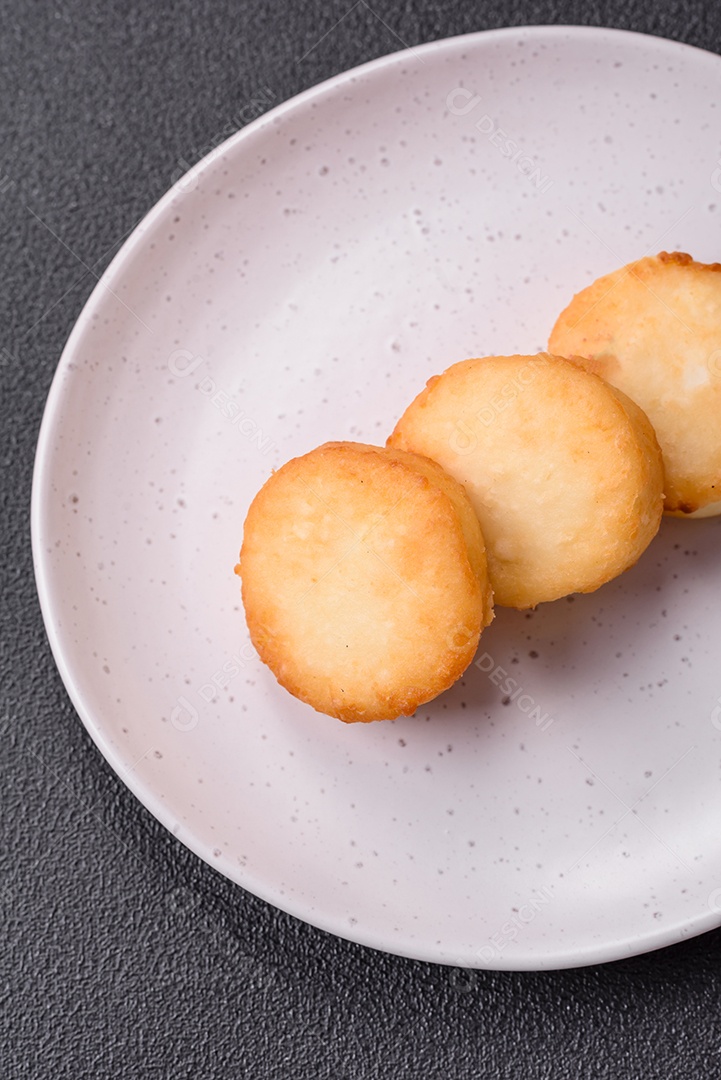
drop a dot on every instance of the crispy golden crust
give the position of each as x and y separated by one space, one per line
564 472
364 580
653 329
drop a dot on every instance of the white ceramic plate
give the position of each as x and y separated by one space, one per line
301 285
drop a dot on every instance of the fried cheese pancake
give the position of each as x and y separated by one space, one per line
653 329
563 471
364 580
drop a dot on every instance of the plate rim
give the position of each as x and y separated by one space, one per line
564 958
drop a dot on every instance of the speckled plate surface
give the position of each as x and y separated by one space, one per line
560 805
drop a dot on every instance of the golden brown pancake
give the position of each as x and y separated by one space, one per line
364 580
564 471
653 329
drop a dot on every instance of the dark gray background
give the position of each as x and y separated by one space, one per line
122 954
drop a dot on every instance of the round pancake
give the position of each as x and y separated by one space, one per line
653 329
564 472
364 580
